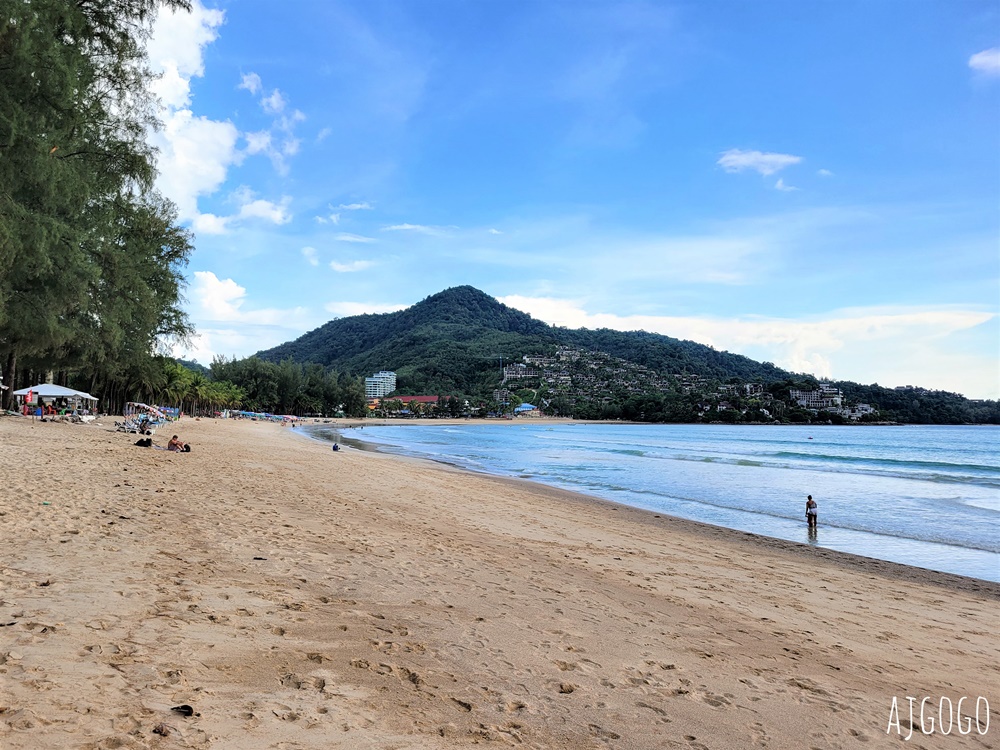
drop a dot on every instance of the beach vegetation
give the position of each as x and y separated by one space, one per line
290 387
92 254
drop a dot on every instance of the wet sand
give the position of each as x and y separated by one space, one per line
299 598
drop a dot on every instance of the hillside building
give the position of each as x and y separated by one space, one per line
518 370
380 384
856 412
825 397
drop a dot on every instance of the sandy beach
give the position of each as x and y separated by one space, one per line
294 597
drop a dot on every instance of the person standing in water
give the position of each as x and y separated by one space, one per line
811 511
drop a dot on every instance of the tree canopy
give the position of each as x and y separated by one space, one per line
91 254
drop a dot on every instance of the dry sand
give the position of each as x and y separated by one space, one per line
299 598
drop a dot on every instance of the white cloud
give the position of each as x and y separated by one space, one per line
824 173
309 253
494 231
987 61
780 185
276 213
331 219
250 208
728 260
221 300
418 228
171 88
279 141
218 308
356 265
865 345
273 104
737 160
175 50
195 153
237 340
405 228
210 224
323 134
194 159
364 206
288 122
348 237
346 309
258 142
250 82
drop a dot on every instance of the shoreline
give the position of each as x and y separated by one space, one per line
396 422
294 595
803 548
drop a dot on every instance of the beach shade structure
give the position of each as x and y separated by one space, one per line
135 407
50 392
170 412
141 418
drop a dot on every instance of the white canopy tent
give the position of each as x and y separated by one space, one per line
48 391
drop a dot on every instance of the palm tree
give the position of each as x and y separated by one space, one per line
197 391
176 387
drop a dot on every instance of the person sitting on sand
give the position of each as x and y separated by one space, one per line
811 511
175 444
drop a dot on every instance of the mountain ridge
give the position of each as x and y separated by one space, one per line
452 340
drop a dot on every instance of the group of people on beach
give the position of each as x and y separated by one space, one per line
175 444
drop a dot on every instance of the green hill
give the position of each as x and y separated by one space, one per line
452 343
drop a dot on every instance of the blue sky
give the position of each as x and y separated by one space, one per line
811 184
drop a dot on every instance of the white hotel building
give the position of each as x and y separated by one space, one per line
380 384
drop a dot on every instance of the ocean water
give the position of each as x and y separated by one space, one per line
927 496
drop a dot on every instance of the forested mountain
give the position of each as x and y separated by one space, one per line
452 342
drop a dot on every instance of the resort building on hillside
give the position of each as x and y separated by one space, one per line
825 397
858 411
828 398
380 384
538 360
519 371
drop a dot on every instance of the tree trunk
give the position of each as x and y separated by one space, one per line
10 372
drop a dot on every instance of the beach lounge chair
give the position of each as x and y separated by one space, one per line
138 424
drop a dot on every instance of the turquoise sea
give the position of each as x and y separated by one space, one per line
927 496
